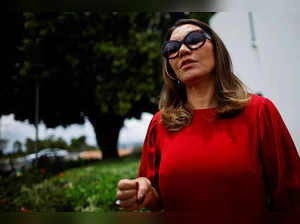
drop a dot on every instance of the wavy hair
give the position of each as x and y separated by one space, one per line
231 94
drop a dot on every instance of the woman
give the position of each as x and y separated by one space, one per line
213 149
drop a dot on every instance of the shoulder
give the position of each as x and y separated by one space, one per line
154 121
157 117
259 103
151 136
261 108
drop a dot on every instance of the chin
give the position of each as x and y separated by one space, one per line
192 77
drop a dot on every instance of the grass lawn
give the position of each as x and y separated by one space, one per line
88 188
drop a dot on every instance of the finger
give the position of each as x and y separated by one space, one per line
144 186
147 198
126 194
126 184
129 203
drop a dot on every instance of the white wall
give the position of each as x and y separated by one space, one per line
273 67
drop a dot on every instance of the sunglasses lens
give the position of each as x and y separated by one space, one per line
170 49
195 40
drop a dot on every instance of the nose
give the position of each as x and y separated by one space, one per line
184 50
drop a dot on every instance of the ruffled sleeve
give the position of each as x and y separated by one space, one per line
150 159
281 162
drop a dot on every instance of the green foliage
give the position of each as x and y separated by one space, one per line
17 147
50 142
3 144
41 196
79 144
76 145
29 144
89 188
88 64
17 151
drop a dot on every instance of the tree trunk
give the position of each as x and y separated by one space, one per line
107 128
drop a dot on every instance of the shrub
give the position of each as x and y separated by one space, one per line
88 188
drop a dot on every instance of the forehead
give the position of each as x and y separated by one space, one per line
180 32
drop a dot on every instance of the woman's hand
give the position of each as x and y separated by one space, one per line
136 193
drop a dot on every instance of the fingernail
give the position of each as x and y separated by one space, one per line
141 199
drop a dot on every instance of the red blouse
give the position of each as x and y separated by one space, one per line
225 169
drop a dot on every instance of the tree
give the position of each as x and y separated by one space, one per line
103 66
3 144
52 142
17 147
49 142
29 145
78 144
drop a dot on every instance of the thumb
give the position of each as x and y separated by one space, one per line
143 186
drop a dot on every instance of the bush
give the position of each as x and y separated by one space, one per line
90 187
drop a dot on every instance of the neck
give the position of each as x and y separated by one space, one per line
201 95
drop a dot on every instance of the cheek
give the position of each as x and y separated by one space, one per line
175 65
207 59
212 61
212 57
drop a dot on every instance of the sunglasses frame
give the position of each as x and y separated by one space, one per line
206 36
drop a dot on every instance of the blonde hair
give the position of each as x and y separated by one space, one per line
231 94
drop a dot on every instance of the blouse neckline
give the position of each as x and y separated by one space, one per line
205 109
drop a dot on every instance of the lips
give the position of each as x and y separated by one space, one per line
186 62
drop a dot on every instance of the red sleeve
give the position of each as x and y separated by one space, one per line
281 162
151 154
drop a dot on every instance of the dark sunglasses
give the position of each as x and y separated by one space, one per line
192 40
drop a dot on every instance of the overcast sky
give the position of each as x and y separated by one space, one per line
133 131
272 68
